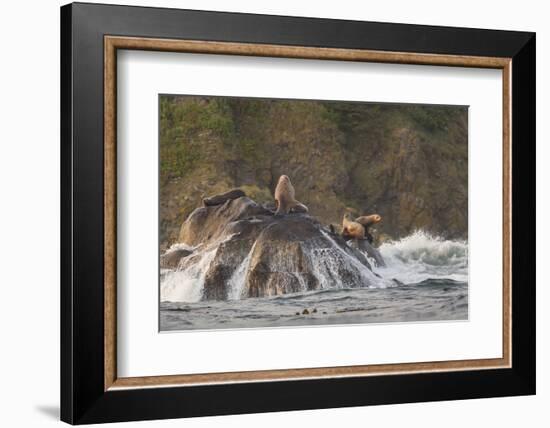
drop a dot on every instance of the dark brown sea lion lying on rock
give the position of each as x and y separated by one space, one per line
223 197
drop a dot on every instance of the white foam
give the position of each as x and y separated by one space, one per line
326 266
421 256
187 285
180 246
238 279
413 259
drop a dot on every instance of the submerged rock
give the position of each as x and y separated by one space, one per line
246 251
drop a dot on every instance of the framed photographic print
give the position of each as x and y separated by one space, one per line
265 213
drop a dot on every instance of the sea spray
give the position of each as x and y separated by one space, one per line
326 266
422 256
410 260
186 285
181 246
238 279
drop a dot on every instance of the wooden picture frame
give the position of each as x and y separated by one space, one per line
91 390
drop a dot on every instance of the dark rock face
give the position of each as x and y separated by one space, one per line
252 253
206 224
365 246
406 162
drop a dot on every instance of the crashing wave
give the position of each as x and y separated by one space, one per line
410 260
186 285
421 256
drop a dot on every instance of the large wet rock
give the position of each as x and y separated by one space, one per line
243 250
209 223
171 259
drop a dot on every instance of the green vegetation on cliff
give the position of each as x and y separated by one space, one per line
408 163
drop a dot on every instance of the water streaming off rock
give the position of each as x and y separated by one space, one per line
425 279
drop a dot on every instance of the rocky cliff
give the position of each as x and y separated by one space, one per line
408 163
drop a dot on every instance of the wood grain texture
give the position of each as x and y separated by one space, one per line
112 43
297 374
227 48
507 213
110 184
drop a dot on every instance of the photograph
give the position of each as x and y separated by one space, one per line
289 212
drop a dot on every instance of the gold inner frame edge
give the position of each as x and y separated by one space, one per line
113 43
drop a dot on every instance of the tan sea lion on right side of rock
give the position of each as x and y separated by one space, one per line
351 228
285 197
367 221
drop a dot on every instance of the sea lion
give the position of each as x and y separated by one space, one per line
351 228
223 197
285 197
367 221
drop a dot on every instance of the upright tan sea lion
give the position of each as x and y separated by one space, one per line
351 228
285 197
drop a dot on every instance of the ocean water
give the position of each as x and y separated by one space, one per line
425 279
